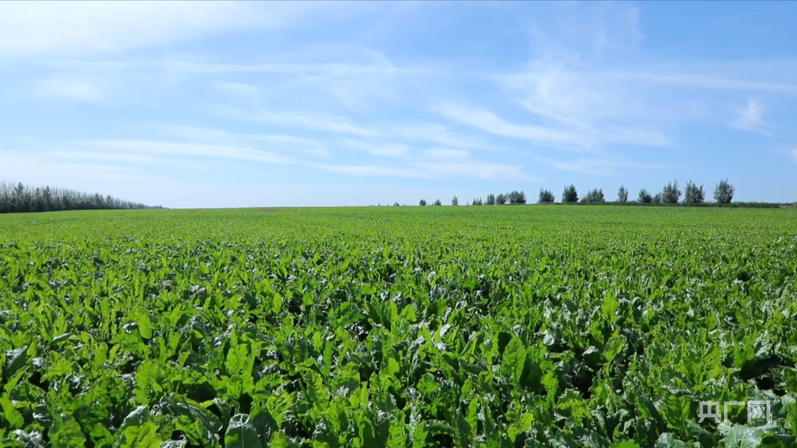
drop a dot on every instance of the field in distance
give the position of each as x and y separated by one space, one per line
491 326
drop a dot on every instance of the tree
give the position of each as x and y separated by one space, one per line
490 199
694 194
396 204
657 198
477 202
671 193
516 197
622 195
570 195
723 192
21 199
455 201
500 199
644 197
546 197
437 202
594 196
422 203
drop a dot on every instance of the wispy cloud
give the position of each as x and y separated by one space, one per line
241 90
319 121
574 137
686 77
446 154
77 28
586 79
487 121
378 148
99 156
476 170
190 149
376 171
279 143
436 170
600 166
70 89
40 169
751 118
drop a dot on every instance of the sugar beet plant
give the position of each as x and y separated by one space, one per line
397 327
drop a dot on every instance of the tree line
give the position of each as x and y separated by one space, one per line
671 193
693 194
22 198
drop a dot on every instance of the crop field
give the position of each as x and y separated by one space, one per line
496 327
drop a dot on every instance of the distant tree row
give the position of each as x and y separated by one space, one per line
21 198
670 194
515 197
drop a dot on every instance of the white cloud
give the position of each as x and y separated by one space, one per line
77 28
99 156
242 90
475 170
751 118
487 121
587 79
437 170
319 121
446 154
600 166
272 142
570 138
379 149
190 149
685 77
41 169
64 88
439 134
365 170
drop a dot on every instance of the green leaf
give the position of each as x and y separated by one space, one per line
742 436
15 360
625 444
668 440
66 433
207 422
144 323
10 414
610 307
515 359
144 436
241 433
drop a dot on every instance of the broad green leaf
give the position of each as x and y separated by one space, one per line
66 433
144 436
241 433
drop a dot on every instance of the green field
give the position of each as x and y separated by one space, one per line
526 326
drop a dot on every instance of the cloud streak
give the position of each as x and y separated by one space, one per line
70 89
162 148
77 28
601 166
751 118
378 148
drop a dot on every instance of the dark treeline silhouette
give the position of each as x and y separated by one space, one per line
693 196
22 198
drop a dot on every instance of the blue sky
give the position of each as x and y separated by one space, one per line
273 104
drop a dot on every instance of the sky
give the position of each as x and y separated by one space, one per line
256 104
